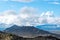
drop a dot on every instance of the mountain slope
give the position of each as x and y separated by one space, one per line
7 36
28 31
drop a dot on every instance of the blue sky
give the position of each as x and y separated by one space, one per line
42 6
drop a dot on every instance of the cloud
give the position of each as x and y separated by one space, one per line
9 12
27 17
51 0
56 2
47 14
26 1
28 10
7 17
47 17
23 1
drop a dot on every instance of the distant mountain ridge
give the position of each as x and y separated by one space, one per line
49 27
53 28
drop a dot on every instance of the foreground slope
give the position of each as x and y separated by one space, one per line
7 36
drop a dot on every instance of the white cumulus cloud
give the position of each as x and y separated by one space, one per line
7 17
28 17
25 17
47 17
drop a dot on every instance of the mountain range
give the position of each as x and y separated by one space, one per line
53 28
26 31
17 32
29 31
